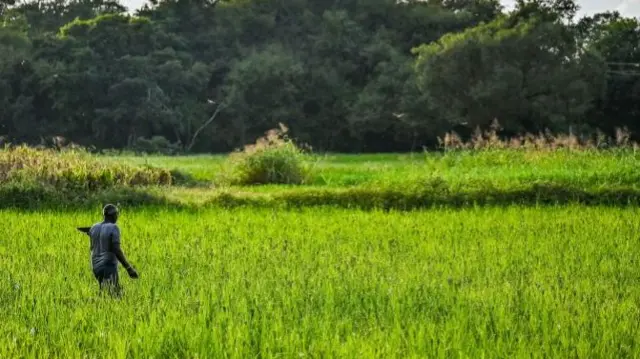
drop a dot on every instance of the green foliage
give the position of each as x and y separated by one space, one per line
340 74
491 175
618 40
509 72
262 90
273 159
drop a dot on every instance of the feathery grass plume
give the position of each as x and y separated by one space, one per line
544 141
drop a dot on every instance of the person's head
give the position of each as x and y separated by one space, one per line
110 213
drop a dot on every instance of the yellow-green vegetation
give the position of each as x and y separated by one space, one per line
31 178
404 181
509 282
295 178
73 169
302 270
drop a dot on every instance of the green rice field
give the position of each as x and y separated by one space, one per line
499 282
502 167
482 254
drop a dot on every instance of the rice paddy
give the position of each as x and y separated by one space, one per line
493 282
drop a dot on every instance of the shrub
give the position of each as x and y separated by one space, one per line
273 159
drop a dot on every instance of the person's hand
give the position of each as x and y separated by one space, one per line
132 273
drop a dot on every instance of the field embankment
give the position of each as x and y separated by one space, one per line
35 179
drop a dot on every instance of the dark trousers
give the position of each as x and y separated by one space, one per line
108 279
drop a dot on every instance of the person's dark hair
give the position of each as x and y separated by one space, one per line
110 213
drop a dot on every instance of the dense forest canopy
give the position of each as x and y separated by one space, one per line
343 75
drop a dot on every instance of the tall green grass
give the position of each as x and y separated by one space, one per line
339 170
457 178
497 283
400 181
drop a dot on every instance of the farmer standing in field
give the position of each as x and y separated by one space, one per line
106 251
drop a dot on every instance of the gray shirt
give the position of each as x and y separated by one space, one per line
103 236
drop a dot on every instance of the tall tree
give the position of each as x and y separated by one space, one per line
530 76
617 39
214 74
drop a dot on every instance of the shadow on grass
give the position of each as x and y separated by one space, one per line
34 198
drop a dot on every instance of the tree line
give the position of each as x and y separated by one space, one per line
343 75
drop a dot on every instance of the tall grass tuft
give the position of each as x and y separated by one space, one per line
272 159
72 170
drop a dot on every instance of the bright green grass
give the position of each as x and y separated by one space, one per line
203 167
591 168
494 283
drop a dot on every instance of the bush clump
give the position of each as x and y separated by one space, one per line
273 159
72 169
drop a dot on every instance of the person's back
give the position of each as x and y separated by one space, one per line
106 251
103 237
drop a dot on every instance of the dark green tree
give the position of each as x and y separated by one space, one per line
212 75
530 77
617 39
